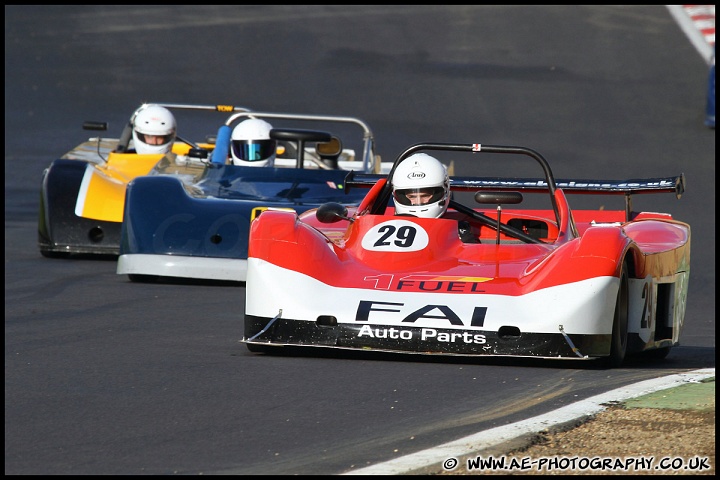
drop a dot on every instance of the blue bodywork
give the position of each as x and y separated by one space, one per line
210 216
190 216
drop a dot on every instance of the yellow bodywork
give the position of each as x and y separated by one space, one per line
102 192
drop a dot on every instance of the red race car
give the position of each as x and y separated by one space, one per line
484 280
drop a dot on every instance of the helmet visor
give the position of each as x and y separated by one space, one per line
418 196
253 150
155 139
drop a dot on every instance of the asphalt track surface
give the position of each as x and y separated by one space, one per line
103 376
502 440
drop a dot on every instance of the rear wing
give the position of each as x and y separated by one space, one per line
635 186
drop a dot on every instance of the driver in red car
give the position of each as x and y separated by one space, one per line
421 188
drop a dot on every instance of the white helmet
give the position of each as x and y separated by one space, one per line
421 187
153 130
251 144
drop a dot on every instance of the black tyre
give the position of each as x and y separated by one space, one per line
255 348
657 353
619 341
266 349
48 254
134 277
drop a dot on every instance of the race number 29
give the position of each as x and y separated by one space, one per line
395 236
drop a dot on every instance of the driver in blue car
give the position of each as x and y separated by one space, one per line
421 188
251 144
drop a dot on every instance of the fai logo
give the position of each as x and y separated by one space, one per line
436 313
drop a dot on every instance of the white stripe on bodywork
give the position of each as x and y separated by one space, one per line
233 269
82 194
585 307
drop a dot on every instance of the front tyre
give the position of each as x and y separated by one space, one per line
618 347
137 278
266 349
50 254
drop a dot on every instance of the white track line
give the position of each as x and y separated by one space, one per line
689 27
475 444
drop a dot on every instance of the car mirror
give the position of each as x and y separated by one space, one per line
332 212
499 198
331 148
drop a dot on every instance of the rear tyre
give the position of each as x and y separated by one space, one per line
657 353
618 347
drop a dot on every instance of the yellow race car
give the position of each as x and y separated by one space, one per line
83 193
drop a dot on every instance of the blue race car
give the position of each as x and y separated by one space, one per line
191 219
